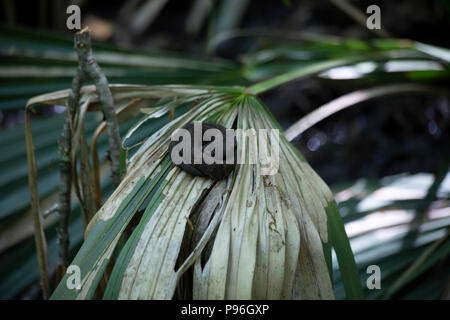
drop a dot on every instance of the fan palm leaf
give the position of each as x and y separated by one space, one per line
250 236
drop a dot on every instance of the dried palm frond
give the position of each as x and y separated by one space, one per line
254 235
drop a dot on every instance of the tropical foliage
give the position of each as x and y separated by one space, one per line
125 230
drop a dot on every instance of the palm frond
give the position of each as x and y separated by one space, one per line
266 233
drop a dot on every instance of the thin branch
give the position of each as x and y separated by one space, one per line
76 184
64 190
65 170
88 68
77 127
91 69
96 163
87 183
39 236
132 108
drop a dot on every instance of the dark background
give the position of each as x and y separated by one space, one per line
384 136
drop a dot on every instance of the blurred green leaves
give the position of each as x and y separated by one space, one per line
33 63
